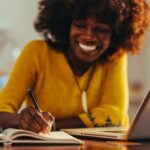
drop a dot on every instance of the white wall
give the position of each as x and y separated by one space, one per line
16 21
139 69
17 16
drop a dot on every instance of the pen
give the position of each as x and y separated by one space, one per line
34 100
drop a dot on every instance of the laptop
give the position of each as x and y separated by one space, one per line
138 130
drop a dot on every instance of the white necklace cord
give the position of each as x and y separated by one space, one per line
84 92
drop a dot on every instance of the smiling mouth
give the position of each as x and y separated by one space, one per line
87 48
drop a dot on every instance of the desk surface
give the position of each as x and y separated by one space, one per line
89 145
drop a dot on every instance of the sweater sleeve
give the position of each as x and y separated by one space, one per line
113 106
22 77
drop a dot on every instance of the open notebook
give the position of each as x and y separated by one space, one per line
15 136
139 128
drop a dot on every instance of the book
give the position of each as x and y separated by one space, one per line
18 136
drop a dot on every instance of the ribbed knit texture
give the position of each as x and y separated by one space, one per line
49 74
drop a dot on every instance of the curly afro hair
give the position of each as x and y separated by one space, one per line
129 19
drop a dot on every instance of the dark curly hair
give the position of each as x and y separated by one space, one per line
129 20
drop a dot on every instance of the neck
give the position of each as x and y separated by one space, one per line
79 67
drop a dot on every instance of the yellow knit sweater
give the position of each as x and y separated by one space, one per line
47 71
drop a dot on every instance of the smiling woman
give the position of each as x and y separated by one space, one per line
78 72
89 39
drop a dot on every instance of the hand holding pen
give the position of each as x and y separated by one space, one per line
33 119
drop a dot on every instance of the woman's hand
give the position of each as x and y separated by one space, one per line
31 119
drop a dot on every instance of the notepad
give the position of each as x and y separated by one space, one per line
24 136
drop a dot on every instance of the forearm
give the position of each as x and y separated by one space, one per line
9 120
72 122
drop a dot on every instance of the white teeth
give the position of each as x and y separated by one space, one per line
87 47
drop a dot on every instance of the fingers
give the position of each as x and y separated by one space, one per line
49 118
31 119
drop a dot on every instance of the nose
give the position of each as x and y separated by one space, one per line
88 31
88 35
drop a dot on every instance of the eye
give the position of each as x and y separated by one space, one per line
101 30
79 24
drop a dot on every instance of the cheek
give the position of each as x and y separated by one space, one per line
106 41
73 32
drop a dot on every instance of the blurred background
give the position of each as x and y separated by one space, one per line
16 30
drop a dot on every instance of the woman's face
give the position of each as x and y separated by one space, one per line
89 39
